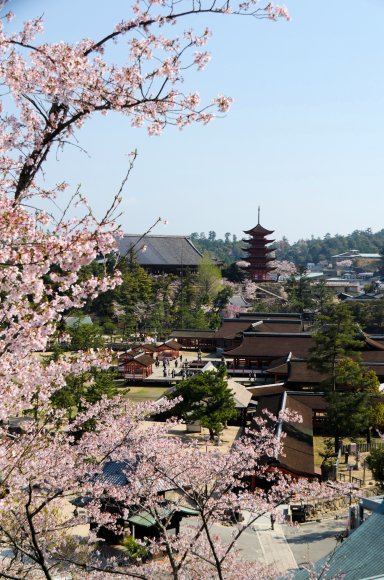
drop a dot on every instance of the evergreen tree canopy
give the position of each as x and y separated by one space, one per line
375 462
205 398
336 337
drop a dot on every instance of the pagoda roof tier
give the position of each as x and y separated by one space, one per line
259 240
259 260
255 263
259 230
265 268
260 243
262 251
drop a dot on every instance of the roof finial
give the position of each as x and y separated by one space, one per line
258 215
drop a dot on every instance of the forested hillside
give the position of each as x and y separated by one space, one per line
300 252
227 250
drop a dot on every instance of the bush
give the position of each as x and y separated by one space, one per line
375 462
134 550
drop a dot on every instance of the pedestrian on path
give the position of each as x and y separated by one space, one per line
273 519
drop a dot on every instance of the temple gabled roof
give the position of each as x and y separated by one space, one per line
153 250
170 344
273 346
141 358
230 328
258 230
260 315
298 453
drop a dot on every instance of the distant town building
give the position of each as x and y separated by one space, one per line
357 258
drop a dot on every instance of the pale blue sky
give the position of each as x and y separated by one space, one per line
304 138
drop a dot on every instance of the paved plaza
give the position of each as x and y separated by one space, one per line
287 547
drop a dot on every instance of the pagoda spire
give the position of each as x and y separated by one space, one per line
258 215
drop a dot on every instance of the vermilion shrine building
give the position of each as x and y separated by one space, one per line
136 367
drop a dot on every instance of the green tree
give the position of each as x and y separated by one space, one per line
335 338
234 273
375 462
299 293
376 416
381 266
86 336
354 408
321 296
347 415
89 387
369 315
208 279
205 398
223 298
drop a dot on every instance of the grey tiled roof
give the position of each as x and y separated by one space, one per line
161 250
360 556
114 473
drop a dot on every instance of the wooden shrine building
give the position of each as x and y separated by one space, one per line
259 349
297 458
149 349
230 333
168 350
195 339
258 252
136 367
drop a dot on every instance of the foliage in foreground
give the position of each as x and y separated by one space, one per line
53 458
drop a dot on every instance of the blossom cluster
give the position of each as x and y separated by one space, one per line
53 458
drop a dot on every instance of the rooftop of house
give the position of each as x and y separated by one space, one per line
239 300
363 297
356 254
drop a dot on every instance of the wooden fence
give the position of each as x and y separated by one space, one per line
363 447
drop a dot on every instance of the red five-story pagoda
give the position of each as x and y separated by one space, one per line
258 252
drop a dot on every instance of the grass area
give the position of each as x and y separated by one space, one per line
142 393
319 446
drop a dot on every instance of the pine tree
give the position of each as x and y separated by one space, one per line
335 338
205 398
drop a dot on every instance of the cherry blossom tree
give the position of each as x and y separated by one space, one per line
344 264
232 310
283 269
55 89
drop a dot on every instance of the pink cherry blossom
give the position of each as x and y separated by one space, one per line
56 88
